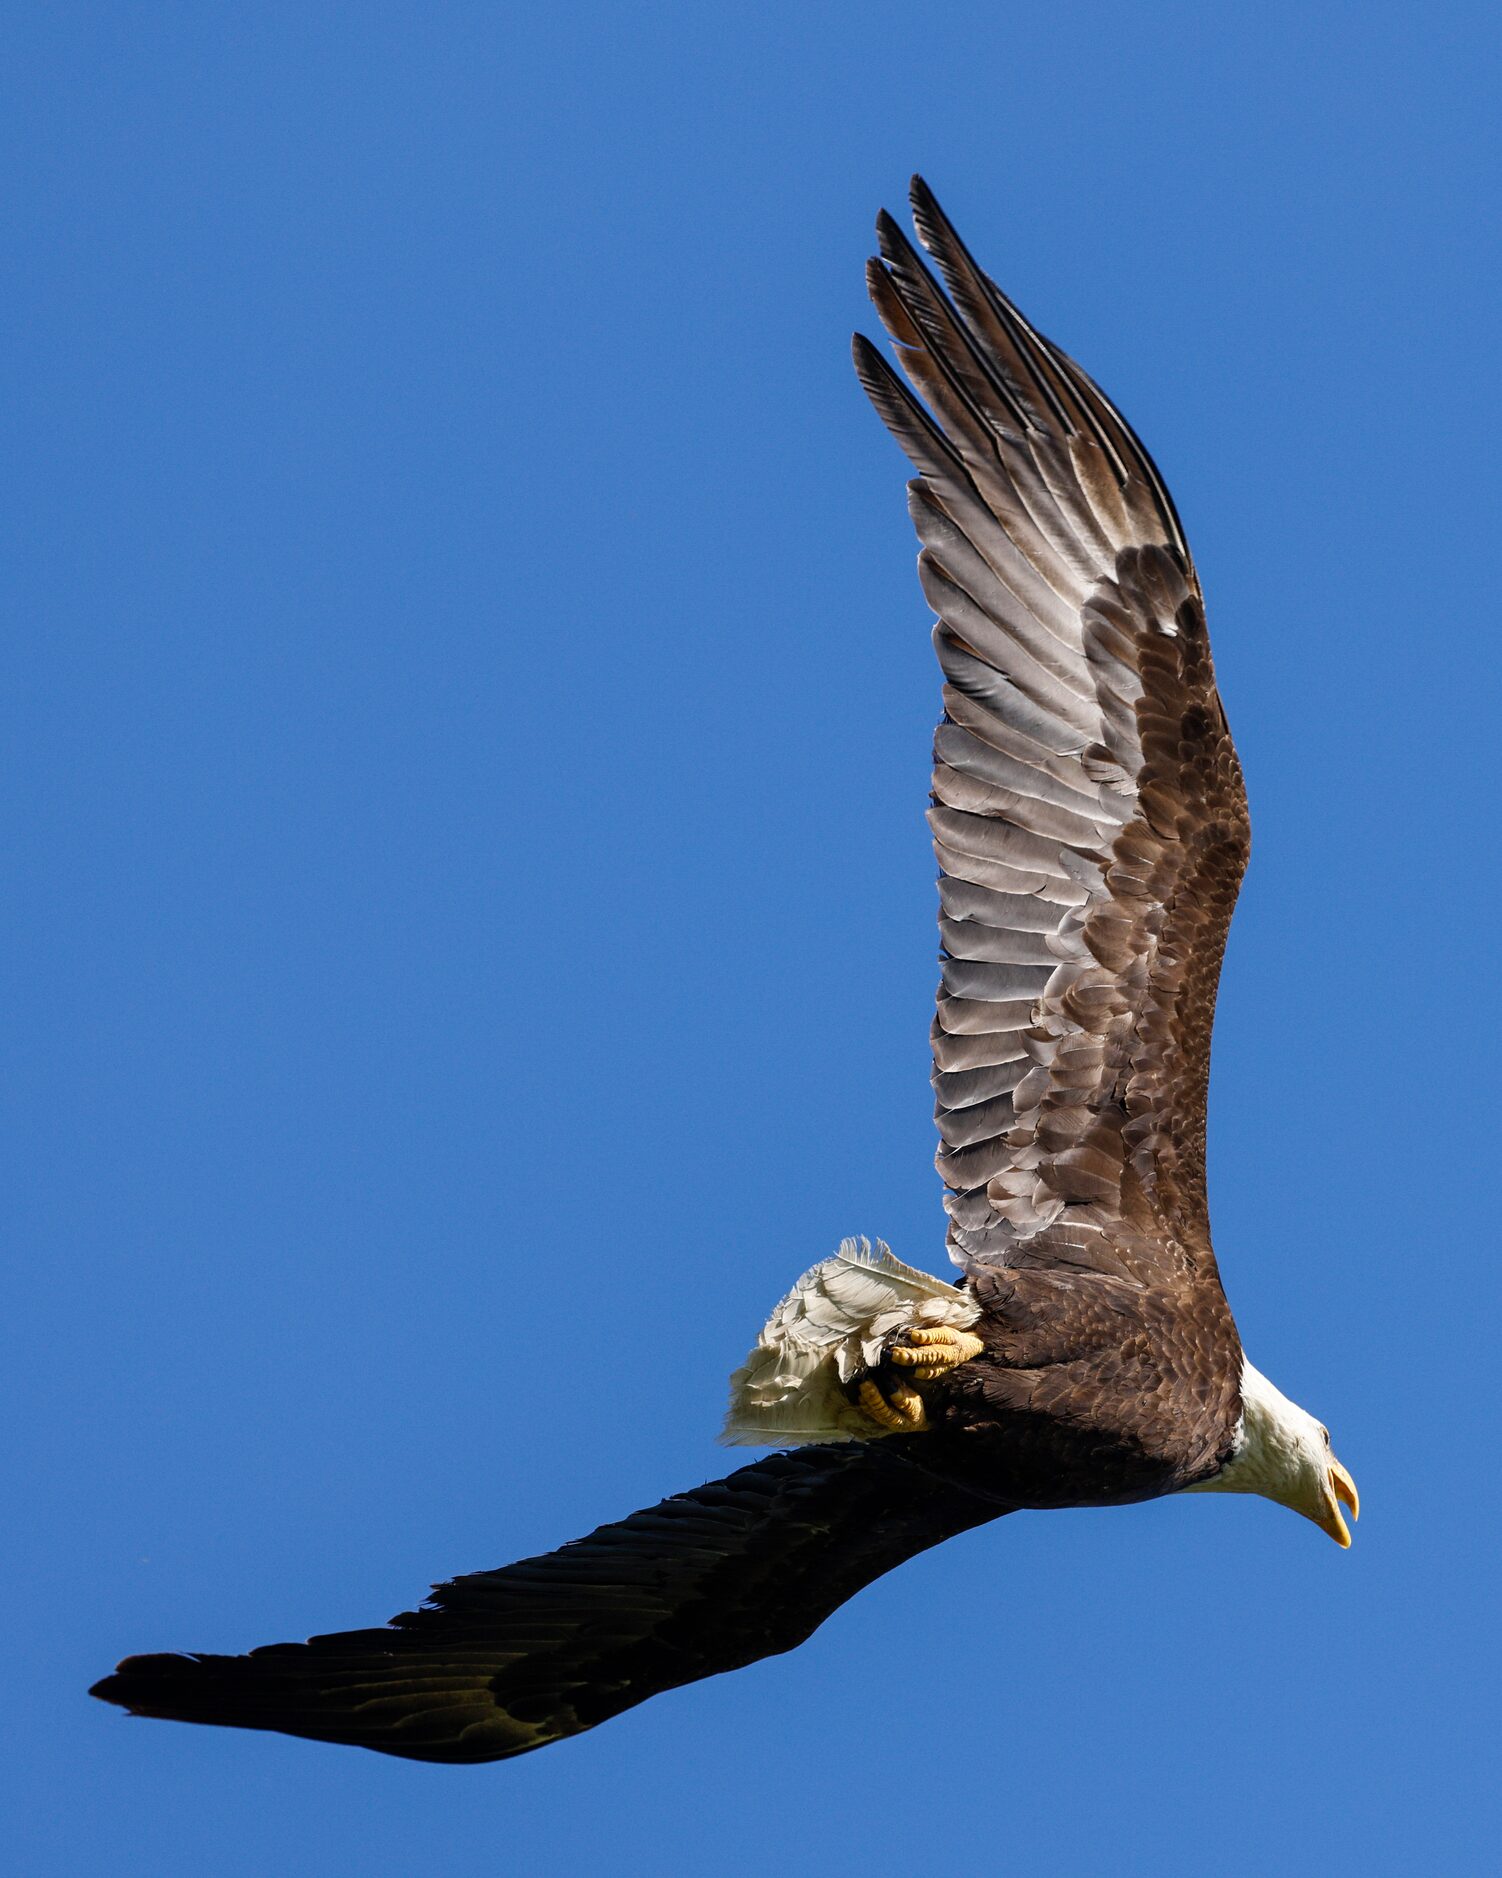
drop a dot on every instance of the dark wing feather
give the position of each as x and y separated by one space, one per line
1088 809
504 1661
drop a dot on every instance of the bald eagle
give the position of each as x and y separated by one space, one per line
1091 830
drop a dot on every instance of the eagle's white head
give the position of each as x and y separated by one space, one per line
1283 1453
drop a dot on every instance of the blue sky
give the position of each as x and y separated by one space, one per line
468 705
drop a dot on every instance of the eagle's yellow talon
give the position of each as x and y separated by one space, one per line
929 1350
902 1411
925 1353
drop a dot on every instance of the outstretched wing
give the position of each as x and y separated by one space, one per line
1088 809
504 1661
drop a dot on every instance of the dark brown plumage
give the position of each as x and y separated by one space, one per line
503 1661
1091 830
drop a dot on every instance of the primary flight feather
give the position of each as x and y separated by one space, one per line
1091 830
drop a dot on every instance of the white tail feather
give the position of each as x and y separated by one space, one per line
834 1323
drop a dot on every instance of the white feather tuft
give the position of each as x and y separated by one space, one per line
834 1323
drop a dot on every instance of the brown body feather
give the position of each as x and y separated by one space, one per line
1091 829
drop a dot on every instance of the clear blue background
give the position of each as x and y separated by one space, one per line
468 707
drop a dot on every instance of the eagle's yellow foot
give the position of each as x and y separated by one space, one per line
927 1351
899 1408
921 1355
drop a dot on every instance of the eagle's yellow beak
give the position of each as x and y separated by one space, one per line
1340 1491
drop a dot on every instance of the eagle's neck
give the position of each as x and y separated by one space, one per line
1273 1446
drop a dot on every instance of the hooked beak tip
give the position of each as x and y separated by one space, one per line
1344 1488
1340 1490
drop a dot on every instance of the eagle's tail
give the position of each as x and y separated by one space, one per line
503 1661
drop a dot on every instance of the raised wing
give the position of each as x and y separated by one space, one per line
1088 809
505 1661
